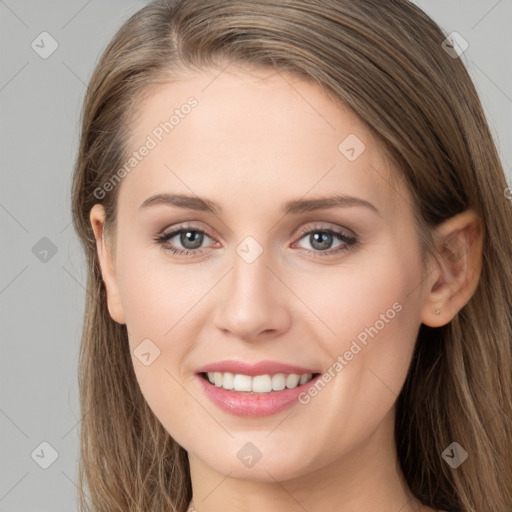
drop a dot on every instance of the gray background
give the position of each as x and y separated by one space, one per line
42 295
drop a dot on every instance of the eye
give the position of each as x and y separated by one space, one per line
190 237
321 239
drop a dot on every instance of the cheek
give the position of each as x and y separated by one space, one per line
158 300
374 296
164 306
372 315
159 296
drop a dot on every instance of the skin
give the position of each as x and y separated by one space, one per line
256 140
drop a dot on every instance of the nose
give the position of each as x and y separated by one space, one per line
252 301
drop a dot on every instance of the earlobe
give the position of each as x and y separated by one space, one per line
107 266
456 272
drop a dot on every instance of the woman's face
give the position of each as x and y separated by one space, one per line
270 275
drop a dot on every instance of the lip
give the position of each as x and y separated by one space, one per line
250 404
241 403
252 369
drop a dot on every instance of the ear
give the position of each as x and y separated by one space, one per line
107 264
456 271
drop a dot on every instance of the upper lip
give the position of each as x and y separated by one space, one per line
252 369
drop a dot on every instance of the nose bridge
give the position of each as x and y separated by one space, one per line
251 279
252 302
250 272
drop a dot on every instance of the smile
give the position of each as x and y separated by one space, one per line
257 395
258 383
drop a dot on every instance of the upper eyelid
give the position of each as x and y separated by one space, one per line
175 230
327 226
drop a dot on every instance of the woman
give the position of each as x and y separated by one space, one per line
226 365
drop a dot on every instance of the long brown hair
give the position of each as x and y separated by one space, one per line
384 61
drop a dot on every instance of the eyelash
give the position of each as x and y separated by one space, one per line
349 241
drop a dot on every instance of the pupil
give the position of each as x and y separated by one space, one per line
322 245
188 237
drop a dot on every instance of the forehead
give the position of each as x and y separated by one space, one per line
256 133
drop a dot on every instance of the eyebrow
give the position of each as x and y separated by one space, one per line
291 207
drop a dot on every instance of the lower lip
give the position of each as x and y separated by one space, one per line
242 403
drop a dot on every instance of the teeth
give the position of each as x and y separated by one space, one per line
217 379
261 383
258 383
242 382
304 378
278 381
292 380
